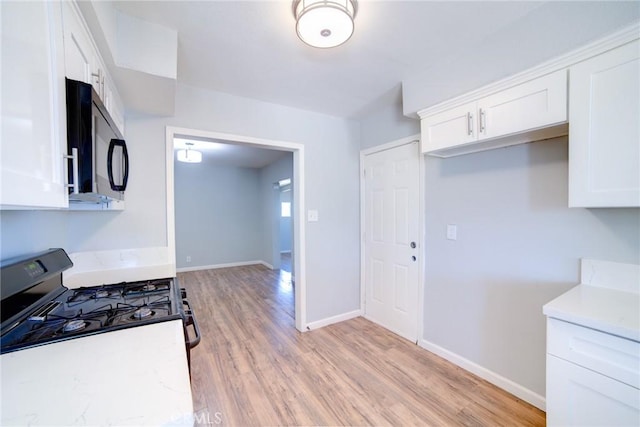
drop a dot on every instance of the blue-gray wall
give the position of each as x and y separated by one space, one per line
331 147
270 199
218 214
518 247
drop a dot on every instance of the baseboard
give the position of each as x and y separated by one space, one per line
333 319
486 374
230 264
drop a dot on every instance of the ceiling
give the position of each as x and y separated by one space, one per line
226 153
250 49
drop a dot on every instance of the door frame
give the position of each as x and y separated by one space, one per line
299 239
421 225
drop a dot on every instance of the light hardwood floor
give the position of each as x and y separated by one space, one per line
253 367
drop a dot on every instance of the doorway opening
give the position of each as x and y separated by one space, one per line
260 149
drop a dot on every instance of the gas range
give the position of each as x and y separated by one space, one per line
37 309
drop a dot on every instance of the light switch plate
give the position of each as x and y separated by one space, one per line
452 232
312 215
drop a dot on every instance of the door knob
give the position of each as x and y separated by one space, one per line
413 258
413 245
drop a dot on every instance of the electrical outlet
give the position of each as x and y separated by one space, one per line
188 258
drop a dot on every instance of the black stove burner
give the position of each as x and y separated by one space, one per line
142 313
151 287
102 293
74 325
81 295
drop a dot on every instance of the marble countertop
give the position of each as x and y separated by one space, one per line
136 376
608 310
114 266
608 299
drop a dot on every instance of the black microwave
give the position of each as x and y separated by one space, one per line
100 161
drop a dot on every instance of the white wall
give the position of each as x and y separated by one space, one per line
218 214
518 247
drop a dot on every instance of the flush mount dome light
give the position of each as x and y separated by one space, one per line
188 155
324 23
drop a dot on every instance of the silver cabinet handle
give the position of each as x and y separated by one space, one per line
96 76
469 124
99 76
483 120
74 168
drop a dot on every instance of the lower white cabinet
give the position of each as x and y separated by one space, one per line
604 129
34 139
592 377
581 397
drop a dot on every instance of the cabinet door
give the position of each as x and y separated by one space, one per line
536 104
114 104
79 57
577 396
604 130
449 128
33 106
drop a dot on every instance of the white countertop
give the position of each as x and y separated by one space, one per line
607 310
607 300
121 265
136 376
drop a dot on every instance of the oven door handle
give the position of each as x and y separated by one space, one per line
190 319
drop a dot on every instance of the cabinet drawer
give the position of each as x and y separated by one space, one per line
615 357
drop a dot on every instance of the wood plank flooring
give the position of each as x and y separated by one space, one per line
254 368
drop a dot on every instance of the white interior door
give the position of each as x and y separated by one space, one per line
391 239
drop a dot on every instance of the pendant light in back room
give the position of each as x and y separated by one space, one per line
324 23
189 155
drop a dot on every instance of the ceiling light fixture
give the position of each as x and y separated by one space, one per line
324 23
189 155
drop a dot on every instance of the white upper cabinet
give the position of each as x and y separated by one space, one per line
604 129
79 55
34 139
113 103
452 127
84 63
530 111
536 104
